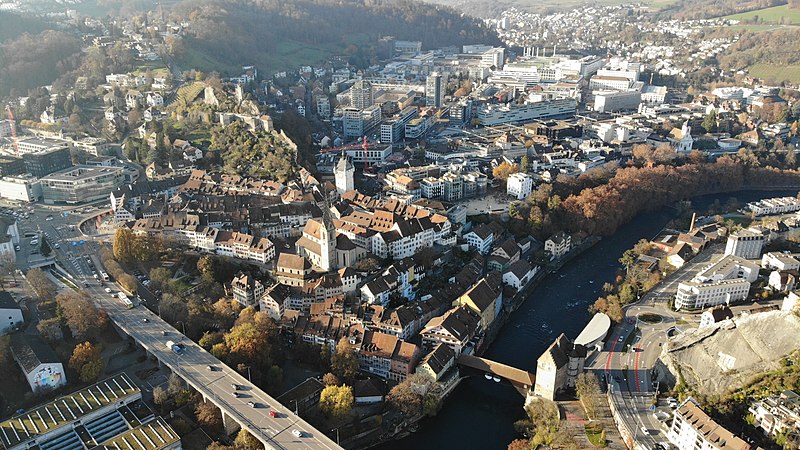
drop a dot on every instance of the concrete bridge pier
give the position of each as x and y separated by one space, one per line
230 425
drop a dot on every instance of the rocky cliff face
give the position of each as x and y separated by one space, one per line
722 358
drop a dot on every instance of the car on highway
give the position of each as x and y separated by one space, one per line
297 433
273 413
210 368
235 386
108 290
644 430
236 394
145 320
177 348
251 404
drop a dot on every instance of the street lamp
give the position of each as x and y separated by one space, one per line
296 408
337 435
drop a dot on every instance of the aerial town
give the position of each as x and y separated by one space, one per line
581 232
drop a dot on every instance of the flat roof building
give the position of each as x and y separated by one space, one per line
81 184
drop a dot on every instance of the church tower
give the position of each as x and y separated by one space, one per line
327 239
343 174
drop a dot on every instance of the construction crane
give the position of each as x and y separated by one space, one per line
363 145
13 129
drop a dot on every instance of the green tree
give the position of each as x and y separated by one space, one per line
710 121
628 259
336 401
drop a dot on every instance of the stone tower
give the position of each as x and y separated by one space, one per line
343 174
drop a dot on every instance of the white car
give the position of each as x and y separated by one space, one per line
297 433
108 290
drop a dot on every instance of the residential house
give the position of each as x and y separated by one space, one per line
436 363
387 356
778 414
274 300
715 315
485 298
783 280
247 290
558 245
504 256
456 329
350 279
481 238
694 429
519 274
10 313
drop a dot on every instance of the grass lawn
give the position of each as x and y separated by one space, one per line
776 72
776 14
594 432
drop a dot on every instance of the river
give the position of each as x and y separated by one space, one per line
480 414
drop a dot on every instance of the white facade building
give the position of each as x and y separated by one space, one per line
745 243
693 429
343 174
501 114
519 185
20 187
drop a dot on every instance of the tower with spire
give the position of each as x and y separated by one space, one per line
343 174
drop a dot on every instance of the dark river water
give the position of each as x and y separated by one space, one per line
480 414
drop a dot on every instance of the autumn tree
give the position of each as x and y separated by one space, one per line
50 329
80 315
336 401
344 362
588 390
124 244
503 171
330 379
87 361
208 415
160 396
219 446
246 441
40 284
405 399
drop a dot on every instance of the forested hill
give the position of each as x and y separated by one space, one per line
12 25
269 33
705 9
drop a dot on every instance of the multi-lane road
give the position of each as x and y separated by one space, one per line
631 353
250 407
213 379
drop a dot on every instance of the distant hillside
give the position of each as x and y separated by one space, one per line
274 34
705 9
13 25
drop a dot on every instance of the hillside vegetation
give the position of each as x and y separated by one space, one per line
235 32
705 9
12 25
29 61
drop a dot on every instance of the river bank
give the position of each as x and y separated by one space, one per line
481 414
